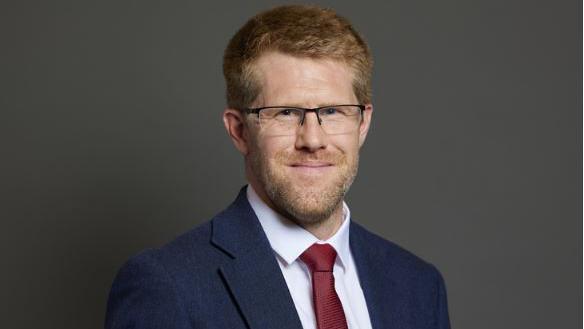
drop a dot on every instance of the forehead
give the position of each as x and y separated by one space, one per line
290 80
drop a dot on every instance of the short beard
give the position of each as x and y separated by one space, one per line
308 205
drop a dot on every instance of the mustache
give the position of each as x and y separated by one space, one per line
293 157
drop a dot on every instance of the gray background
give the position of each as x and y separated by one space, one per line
111 142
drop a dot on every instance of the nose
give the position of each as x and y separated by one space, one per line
310 135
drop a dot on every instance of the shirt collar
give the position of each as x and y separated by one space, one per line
290 240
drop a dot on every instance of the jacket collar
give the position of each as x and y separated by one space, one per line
252 276
376 269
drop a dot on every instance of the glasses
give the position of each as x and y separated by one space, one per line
285 120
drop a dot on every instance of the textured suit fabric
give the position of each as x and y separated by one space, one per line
223 274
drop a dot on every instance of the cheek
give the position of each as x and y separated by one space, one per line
273 146
347 144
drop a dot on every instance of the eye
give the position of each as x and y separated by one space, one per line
288 113
285 112
330 111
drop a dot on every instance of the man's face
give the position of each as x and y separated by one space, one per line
306 175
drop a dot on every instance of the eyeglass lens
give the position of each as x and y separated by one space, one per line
287 120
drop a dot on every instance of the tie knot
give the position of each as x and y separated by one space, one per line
319 257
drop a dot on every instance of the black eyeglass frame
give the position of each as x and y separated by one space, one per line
257 110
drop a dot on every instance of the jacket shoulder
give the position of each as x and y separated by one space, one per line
159 286
190 253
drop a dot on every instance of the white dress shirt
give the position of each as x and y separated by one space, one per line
289 241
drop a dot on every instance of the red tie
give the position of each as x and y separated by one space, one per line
320 259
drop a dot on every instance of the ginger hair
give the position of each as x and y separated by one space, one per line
297 30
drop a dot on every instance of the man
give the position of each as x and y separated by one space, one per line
286 253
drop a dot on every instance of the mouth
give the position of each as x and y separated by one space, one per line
311 164
311 168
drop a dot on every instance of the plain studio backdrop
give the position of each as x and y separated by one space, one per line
112 142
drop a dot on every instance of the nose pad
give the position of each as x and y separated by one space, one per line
317 117
310 135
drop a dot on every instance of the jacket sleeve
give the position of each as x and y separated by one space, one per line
144 296
442 318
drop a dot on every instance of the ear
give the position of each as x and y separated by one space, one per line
237 129
364 127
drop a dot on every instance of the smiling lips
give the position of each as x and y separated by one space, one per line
311 164
311 167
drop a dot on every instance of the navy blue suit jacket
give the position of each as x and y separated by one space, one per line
223 274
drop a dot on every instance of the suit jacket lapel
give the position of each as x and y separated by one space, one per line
253 275
374 268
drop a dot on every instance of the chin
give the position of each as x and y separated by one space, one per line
307 205
310 216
